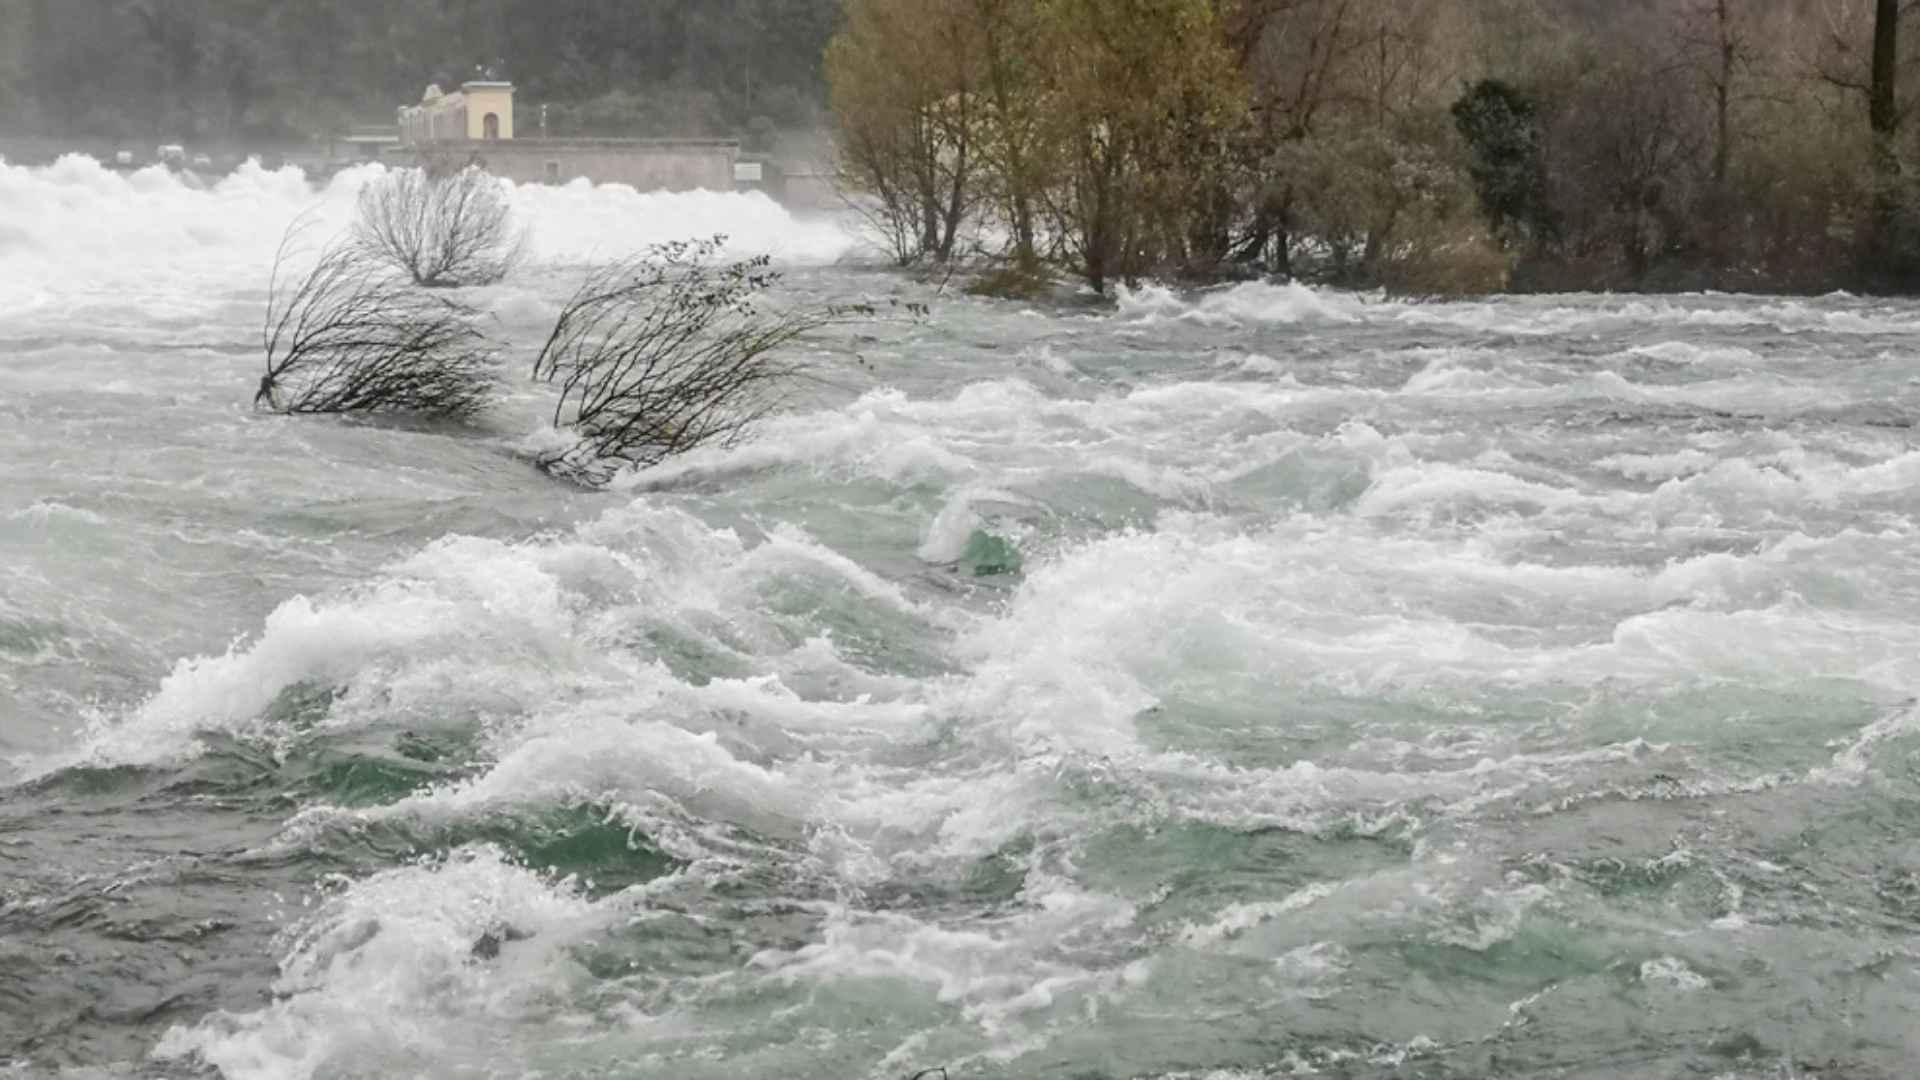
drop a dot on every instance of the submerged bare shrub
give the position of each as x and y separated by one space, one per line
665 352
351 337
444 228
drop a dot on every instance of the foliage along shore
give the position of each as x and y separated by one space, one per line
1428 147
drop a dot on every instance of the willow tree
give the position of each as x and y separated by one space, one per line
1145 106
902 78
1013 144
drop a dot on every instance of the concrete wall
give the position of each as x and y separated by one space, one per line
440 120
646 164
811 191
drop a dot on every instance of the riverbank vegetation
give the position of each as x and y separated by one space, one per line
1425 146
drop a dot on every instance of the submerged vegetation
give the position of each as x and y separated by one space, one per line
651 356
1427 146
350 337
442 227
664 353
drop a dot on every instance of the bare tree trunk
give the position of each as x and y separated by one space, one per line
1720 214
1025 251
1884 119
1017 164
930 224
1881 115
1096 200
928 170
1723 91
956 198
1283 237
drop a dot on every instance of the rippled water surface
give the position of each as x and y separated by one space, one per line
1241 684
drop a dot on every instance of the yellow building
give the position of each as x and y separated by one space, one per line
477 112
475 125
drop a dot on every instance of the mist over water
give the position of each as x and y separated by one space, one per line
1237 684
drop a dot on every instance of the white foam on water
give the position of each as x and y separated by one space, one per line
1791 480
1237 919
387 976
583 221
1055 690
371 983
1682 352
1854 762
998 973
1056 684
480 627
76 232
1176 442
1424 485
1445 377
1672 973
1313 972
1741 394
1668 466
871 438
1258 364
601 753
50 514
1110 623
462 617
1240 304
953 527
1262 303
1600 314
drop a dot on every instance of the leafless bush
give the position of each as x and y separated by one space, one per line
350 336
443 227
665 352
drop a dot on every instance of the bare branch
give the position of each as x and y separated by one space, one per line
348 336
443 229
666 352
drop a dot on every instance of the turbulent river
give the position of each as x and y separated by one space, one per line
1237 684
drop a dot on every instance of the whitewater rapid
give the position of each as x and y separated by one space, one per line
1255 682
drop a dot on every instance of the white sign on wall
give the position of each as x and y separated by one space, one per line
746 172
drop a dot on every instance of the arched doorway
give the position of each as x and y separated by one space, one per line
491 125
